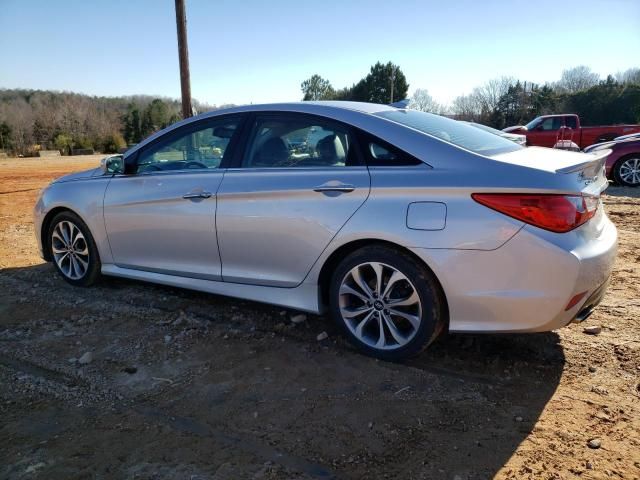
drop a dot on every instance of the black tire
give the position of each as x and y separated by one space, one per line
617 174
92 273
433 318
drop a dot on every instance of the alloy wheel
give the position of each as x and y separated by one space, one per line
70 250
380 305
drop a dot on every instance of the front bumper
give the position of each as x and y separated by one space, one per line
526 285
38 218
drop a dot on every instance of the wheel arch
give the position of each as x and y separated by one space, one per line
332 261
46 224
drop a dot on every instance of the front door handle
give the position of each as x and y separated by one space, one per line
340 187
196 195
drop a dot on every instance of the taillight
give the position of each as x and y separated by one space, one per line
557 213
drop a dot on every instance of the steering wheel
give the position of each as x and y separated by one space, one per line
150 167
194 164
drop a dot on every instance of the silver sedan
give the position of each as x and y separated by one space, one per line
400 224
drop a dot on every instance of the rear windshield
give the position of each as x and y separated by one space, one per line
452 131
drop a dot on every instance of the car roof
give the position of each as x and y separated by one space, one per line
339 110
310 107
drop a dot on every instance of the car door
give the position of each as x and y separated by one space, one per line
548 130
160 215
297 183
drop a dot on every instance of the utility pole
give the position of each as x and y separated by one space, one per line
393 80
183 53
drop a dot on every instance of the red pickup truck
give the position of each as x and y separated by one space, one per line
548 130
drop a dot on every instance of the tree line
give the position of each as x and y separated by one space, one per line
503 101
32 120
507 101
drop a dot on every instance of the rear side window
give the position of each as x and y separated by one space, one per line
571 122
379 153
452 131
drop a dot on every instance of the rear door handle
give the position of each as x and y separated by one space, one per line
340 187
196 195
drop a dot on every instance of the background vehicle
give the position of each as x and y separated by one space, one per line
400 223
628 137
623 163
514 137
547 130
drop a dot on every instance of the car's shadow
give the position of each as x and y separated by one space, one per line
462 408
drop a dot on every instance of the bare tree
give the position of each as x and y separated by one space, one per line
421 100
488 95
631 75
576 79
467 107
18 115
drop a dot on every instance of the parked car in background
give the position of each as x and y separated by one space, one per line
623 163
514 137
548 130
399 224
628 137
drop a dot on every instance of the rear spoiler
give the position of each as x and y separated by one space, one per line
596 157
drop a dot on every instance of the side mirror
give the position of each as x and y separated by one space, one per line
112 165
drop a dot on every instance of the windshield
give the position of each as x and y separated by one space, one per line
452 131
533 123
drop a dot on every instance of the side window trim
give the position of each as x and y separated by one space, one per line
132 161
246 137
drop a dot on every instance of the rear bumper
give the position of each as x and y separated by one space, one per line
526 285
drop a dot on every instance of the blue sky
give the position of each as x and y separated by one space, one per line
247 51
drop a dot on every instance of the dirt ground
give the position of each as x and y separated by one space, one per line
184 385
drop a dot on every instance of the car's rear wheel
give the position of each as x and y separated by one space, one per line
73 250
626 171
388 305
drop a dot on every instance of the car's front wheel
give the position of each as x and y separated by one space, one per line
73 250
388 305
626 171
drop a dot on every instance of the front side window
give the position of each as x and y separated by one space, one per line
201 147
298 142
533 124
452 131
551 124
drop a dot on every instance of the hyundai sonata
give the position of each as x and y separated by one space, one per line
400 224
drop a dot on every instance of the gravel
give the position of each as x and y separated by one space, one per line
86 358
592 330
